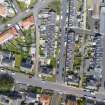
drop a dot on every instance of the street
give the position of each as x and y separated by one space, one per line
58 86
22 15
55 86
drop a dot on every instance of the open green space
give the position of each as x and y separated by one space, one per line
81 101
17 60
55 5
80 5
53 62
23 6
20 47
17 44
49 78
41 51
4 20
33 2
35 90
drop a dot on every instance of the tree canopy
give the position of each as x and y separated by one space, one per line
6 82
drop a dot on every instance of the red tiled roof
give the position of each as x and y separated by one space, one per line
3 10
8 35
45 100
27 22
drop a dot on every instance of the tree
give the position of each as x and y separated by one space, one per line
6 82
81 101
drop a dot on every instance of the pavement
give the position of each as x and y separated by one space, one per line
61 56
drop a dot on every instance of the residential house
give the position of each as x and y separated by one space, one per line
6 9
8 35
3 10
27 23
45 99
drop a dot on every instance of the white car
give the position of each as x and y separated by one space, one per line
93 93
9 25
13 73
3 71
27 10
40 75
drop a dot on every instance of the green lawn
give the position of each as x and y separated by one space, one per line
33 2
53 62
55 5
41 51
52 78
81 101
35 90
18 60
79 5
4 20
22 5
17 44
90 3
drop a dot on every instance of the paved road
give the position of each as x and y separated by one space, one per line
21 78
38 6
62 49
59 87
102 31
55 86
76 29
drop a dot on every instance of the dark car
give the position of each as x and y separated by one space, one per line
30 76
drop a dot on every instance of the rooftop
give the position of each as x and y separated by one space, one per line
8 35
45 100
3 10
28 22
